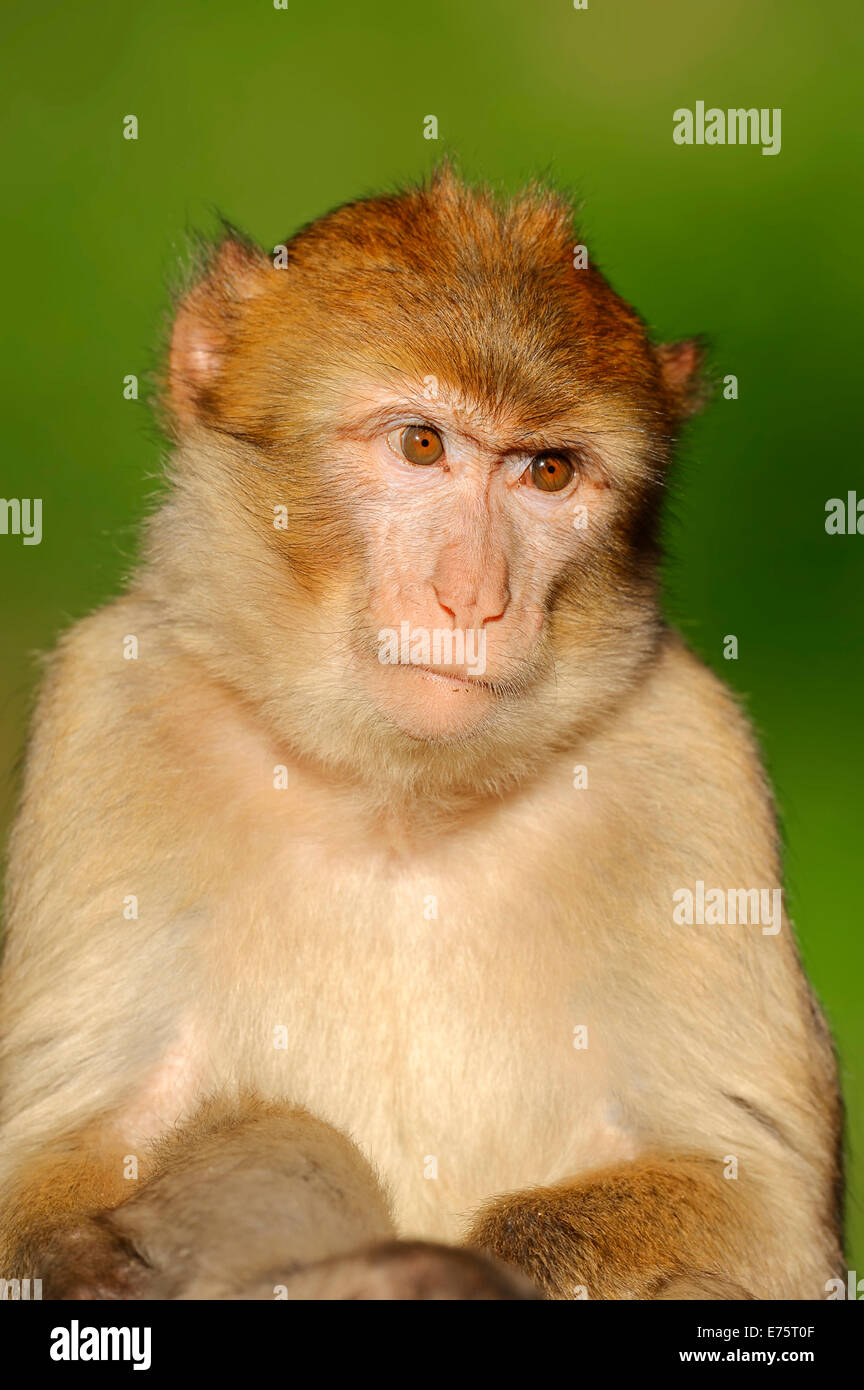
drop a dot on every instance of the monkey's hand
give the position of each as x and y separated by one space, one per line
87 1258
664 1229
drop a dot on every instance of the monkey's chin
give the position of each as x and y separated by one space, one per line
431 705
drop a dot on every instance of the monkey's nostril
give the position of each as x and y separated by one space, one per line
496 617
447 609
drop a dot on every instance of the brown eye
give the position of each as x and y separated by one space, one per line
420 444
550 472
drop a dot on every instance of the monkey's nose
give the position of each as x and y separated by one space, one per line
470 596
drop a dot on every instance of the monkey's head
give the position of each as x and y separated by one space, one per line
421 451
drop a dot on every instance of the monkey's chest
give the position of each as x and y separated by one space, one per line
453 1034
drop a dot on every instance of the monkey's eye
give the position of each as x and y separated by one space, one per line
417 444
550 472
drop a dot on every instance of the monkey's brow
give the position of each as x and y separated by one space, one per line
569 435
418 407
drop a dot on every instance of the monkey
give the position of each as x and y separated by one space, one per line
345 951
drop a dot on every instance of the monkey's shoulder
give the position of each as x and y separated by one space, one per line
680 770
691 721
114 722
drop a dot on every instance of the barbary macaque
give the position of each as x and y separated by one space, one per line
345 955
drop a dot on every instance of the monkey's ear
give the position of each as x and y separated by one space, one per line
681 368
204 327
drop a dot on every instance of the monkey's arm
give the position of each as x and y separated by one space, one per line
661 1228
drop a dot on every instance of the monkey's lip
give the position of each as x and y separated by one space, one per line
433 673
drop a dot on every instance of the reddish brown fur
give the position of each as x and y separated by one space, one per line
628 1233
440 280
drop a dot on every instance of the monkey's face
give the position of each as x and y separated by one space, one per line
462 436
473 530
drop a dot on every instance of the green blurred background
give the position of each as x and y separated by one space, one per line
273 116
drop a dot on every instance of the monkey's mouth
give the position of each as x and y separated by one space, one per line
442 676
429 702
